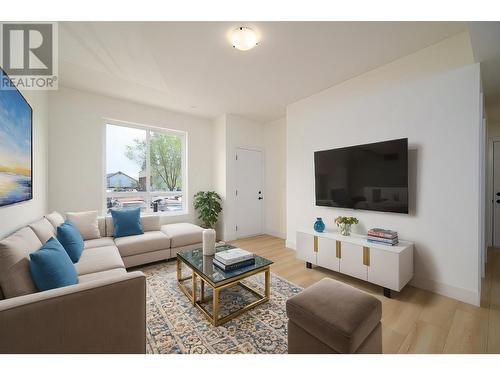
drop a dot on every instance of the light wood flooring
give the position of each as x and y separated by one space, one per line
414 320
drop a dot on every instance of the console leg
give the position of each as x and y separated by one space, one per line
387 292
309 265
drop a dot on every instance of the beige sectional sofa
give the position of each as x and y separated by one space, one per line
105 311
158 241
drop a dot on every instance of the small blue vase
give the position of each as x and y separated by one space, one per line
319 226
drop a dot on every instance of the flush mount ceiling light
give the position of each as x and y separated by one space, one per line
243 38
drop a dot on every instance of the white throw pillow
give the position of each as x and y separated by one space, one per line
86 222
55 218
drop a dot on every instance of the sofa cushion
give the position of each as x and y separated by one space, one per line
142 243
86 222
51 266
150 222
109 226
101 275
43 229
335 313
99 259
127 222
98 242
144 258
101 222
55 218
15 276
69 236
183 234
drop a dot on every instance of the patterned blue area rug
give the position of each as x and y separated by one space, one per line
175 326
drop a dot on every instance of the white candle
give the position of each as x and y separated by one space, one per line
208 242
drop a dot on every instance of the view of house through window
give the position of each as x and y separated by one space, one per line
144 168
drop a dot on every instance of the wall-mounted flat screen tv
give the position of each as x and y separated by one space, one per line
15 144
367 177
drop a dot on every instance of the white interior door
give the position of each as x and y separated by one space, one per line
496 194
249 193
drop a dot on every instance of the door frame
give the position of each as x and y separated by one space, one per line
491 190
263 175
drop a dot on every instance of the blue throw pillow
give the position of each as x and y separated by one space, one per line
127 222
51 267
71 239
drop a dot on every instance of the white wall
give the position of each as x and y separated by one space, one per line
220 144
76 147
275 178
17 215
493 115
432 98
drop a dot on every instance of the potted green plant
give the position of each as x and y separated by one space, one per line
208 205
344 223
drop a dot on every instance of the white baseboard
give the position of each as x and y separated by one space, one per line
290 244
464 295
227 238
276 234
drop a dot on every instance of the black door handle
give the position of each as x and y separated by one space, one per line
498 200
263 198
498 194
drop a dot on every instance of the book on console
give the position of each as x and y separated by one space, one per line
234 266
370 234
393 243
233 256
382 239
385 233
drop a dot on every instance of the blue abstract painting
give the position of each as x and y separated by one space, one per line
15 146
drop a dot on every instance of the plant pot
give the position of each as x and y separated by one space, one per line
208 241
345 229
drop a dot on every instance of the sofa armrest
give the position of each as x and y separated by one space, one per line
101 316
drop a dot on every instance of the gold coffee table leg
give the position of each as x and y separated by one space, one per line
215 312
268 282
194 288
179 274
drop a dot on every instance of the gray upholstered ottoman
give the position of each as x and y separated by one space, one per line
332 317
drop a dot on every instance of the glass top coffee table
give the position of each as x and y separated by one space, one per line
203 268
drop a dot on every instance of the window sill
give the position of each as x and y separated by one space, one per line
172 213
160 213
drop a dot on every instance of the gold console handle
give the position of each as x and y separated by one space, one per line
315 244
366 255
338 248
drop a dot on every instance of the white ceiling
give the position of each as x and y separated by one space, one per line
191 67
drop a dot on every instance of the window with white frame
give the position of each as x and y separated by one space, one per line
145 167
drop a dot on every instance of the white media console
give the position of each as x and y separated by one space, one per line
388 266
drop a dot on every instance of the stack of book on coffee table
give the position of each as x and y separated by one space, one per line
233 259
